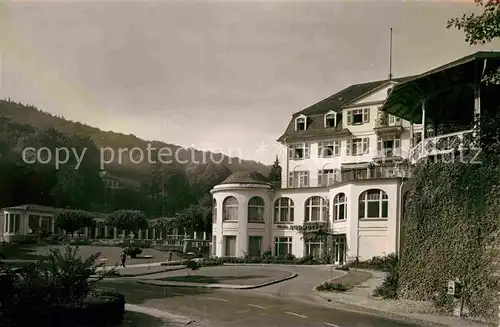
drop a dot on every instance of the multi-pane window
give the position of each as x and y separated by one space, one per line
393 120
388 146
327 177
230 209
301 124
299 151
298 179
373 204
328 149
358 146
12 223
283 210
340 207
358 116
282 246
255 246
256 209
214 211
330 120
316 209
214 245
314 249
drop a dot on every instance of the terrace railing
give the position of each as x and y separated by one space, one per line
441 145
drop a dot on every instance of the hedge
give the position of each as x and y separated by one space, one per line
101 308
451 224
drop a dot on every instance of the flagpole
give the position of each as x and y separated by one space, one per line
390 55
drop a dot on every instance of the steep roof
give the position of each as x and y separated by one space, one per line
345 96
246 177
314 113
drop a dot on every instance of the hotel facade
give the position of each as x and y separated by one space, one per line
346 161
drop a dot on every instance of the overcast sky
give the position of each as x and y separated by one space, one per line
220 76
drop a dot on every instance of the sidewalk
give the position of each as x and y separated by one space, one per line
424 312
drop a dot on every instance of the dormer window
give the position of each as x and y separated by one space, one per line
301 123
331 119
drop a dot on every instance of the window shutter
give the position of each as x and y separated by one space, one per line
320 150
336 147
290 152
290 179
320 179
348 148
366 115
349 117
366 145
306 151
379 144
391 119
397 143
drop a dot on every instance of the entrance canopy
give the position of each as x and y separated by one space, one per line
448 90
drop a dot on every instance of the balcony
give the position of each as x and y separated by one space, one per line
389 154
445 144
392 171
387 125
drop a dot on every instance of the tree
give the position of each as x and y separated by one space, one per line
275 174
195 218
128 221
481 29
72 220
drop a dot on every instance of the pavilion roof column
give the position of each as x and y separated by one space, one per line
424 127
477 99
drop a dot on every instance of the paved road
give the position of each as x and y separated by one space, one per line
288 304
244 309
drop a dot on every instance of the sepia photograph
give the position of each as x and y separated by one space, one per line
258 163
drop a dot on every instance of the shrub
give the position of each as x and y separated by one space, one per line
79 241
132 252
389 288
211 262
382 263
343 268
329 286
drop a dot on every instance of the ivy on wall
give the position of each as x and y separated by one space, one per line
452 219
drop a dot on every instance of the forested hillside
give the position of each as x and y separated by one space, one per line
164 189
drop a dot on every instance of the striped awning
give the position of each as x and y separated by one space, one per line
354 166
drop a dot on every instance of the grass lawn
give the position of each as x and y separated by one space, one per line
136 319
353 278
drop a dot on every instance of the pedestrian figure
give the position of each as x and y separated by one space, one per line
124 259
170 256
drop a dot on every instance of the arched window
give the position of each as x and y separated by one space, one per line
301 123
214 211
373 204
256 209
330 119
283 210
230 209
316 209
340 207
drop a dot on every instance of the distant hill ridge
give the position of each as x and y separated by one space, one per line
30 115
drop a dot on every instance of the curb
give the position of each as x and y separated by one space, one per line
275 264
172 319
152 272
215 286
374 311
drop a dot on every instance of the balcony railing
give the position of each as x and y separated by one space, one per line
377 172
441 145
390 153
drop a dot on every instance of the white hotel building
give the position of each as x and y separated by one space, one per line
347 161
